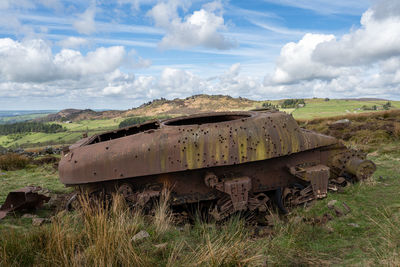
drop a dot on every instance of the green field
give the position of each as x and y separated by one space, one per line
74 132
12 119
318 108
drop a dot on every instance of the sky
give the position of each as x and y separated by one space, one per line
105 54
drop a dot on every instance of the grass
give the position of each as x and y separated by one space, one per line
18 118
103 236
317 108
45 176
12 161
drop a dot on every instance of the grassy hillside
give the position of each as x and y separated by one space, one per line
192 105
81 121
18 118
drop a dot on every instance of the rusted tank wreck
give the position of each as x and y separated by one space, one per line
234 161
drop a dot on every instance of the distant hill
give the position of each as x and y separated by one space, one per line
365 99
192 105
80 114
314 107
175 107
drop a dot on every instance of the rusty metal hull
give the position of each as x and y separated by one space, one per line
166 148
235 159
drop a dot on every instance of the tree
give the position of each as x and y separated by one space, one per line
387 106
293 103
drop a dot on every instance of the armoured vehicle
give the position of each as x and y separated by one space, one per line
235 161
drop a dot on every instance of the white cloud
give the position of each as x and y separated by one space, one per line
102 60
374 41
386 8
174 82
73 42
113 90
7 4
202 28
85 22
364 62
295 61
134 61
177 82
33 61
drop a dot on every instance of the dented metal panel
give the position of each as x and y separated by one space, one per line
187 144
24 198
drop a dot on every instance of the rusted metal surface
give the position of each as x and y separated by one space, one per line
317 175
195 142
23 198
235 159
237 188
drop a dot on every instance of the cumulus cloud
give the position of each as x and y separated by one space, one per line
174 82
295 61
386 8
377 39
364 62
201 28
33 61
85 22
73 42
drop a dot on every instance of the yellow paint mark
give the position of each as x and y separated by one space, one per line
200 150
182 155
164 155
295 142
261 152
242 145
217 150
190 152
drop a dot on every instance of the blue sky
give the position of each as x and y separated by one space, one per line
118 54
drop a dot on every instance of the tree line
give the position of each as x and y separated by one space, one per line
27 127
139 120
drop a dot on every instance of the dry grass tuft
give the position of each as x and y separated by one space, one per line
95 236
228 245
12 161
162 219
396 130
388 251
